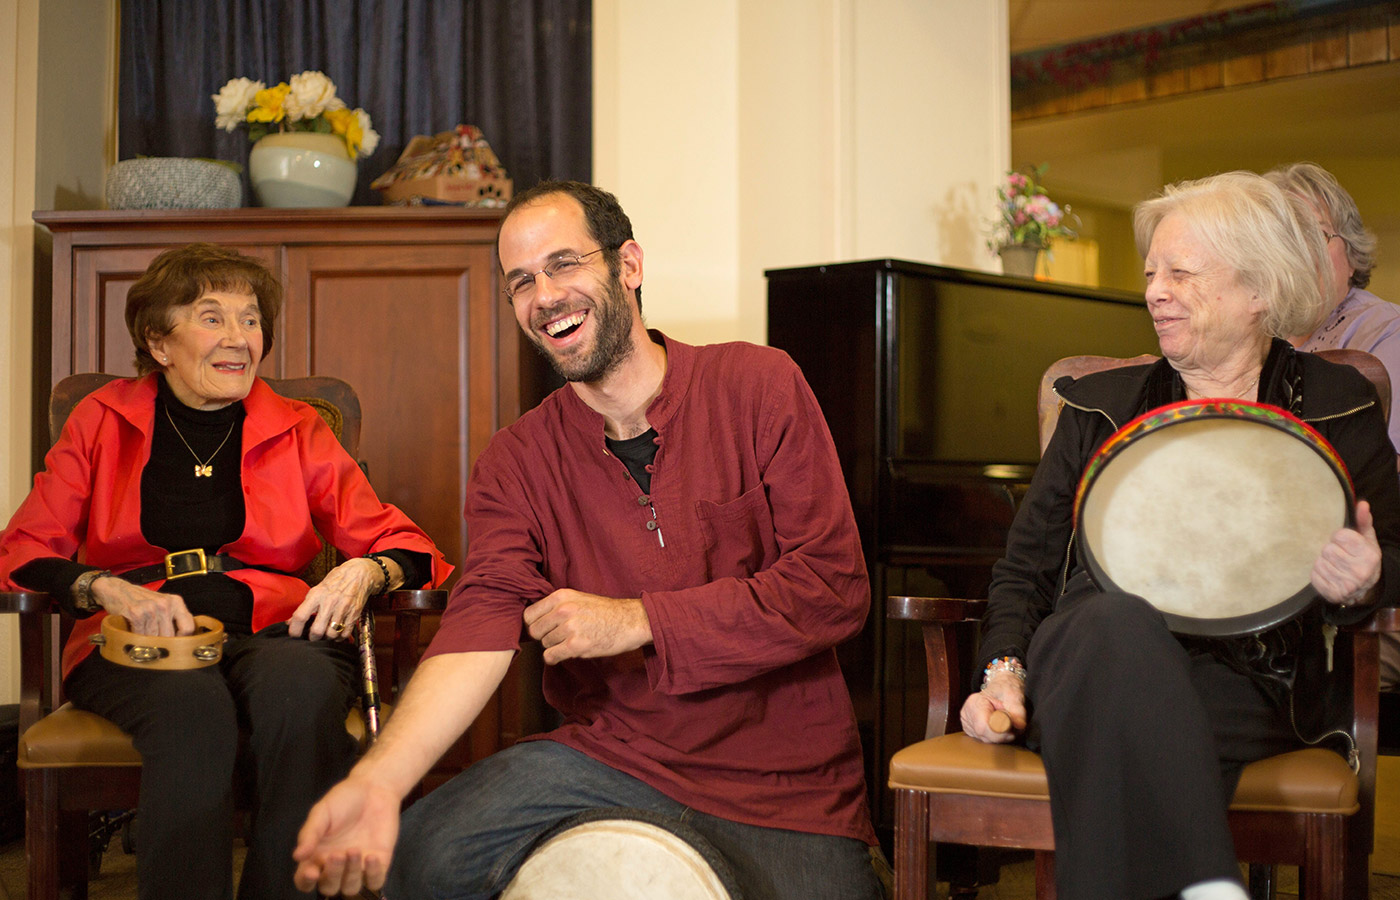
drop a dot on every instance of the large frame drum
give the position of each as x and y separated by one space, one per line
1213 511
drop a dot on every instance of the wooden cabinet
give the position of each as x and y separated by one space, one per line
402 303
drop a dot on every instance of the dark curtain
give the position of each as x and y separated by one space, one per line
521 70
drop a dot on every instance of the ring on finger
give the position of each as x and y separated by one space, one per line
336 627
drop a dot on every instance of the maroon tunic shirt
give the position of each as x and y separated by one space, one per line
746 557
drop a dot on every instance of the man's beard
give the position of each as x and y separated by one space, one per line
612 343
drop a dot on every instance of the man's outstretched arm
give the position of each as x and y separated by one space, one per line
348 839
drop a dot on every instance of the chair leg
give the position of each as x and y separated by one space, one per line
911 845
1261 881
1044 875
1323 877
41 837
74 853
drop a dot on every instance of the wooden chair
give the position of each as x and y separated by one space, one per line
1305 808
74 762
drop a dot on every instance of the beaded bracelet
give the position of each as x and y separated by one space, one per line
1004 664
383 568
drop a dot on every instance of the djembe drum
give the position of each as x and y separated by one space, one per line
622 854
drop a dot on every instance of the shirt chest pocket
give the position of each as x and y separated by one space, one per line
738 535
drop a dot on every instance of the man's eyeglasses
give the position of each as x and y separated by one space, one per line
1328 235
559 269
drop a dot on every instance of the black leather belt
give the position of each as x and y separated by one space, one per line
186 563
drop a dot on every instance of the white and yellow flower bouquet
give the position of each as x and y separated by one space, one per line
305 102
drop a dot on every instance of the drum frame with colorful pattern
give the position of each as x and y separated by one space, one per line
1212 419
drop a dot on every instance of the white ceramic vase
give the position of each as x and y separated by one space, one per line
302 168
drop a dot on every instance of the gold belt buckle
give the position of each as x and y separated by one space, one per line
197 553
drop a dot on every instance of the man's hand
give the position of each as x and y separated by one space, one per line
348 839
574 625
1003 692
146 611
1350 565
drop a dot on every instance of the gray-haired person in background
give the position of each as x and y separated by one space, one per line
1356 318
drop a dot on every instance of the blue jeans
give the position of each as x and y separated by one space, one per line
465 840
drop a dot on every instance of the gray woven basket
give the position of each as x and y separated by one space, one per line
172 183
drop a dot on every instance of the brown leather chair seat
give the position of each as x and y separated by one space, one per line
1311 780
73 737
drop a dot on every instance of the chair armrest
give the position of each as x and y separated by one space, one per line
407 607
25 602
934 609
1383 619
40 688
942 619
410 601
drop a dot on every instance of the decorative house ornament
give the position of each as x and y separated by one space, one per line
455 167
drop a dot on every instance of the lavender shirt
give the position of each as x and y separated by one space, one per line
1363 321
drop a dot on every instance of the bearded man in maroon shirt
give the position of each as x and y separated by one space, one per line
673 527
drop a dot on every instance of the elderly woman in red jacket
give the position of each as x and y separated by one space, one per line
198 454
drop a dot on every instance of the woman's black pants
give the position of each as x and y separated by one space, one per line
287 697
1143 743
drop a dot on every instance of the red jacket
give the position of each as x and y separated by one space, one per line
297 480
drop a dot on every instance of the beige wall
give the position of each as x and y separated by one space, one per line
57 105
739 136
18 92
793 132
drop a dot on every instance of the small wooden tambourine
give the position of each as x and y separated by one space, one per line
151 651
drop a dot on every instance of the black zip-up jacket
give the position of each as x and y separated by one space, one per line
1041 563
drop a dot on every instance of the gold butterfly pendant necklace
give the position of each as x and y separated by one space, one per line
205 468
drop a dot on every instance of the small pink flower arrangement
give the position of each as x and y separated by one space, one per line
1027 215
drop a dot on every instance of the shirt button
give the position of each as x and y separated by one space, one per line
652 526
643 500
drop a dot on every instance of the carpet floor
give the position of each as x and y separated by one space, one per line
117 877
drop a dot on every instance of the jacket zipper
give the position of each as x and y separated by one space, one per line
1074 533
1069 555
1088 409
1339 415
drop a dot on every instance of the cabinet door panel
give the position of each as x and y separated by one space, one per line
413 329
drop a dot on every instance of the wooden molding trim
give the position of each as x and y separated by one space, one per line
1145 65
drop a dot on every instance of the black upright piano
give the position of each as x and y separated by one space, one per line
928 378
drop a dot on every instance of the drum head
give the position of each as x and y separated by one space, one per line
622 854
1214 512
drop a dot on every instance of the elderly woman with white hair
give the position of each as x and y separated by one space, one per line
1143 731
